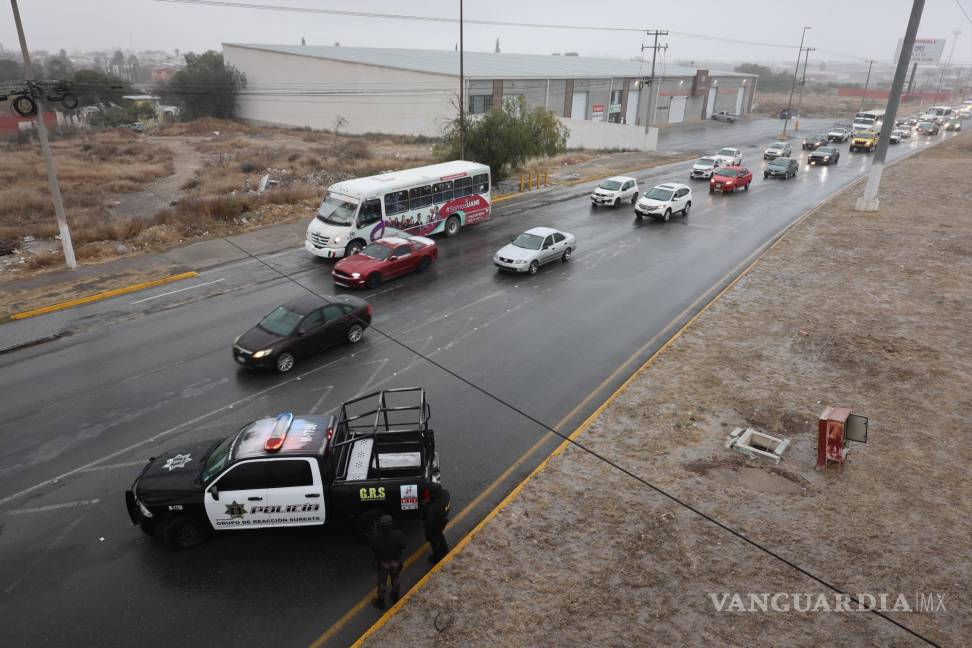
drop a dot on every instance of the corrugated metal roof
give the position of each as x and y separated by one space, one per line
485 65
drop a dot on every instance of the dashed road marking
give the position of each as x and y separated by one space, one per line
54 507
172 292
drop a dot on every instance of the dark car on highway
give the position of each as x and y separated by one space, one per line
813 142
927 128
301 328
785 168
824 155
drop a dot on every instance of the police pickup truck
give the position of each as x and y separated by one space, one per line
377 457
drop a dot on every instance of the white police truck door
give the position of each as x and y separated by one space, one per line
295 494
235 499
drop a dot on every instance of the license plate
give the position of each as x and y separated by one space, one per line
718 185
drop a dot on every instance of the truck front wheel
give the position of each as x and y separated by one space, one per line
184 531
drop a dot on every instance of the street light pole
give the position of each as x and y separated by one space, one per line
867 82
796 73
869 201
803 84
52 183
462 89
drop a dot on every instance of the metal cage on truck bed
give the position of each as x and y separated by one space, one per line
384 434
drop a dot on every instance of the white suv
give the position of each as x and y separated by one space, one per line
729 156
613 190
704 167
664 200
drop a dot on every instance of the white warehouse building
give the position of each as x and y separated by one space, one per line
604 102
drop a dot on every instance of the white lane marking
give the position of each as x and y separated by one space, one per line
476 302
320 401
54 507
364 386
127 464
172 292
46 551
167 432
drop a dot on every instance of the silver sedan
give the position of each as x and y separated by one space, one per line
534 248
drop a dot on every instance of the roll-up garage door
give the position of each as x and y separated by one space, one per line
726 100
676 111
578 106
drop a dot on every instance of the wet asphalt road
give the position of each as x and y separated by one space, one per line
137 377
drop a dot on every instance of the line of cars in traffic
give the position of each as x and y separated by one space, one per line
310 325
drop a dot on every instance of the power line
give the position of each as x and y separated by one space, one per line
504 403
964 13
373 14
493 23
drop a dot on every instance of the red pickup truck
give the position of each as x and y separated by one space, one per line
385 259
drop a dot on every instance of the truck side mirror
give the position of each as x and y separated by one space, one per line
214 492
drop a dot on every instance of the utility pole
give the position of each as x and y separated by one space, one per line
948 62
462 90
803 83
796 73
55 187
867 82
869 201
652 90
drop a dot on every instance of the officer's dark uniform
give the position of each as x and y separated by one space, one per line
435 515
387 544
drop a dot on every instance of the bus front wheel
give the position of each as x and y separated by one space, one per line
452 226
353 247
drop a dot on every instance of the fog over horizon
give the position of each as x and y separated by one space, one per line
702 31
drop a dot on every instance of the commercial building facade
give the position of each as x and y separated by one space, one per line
415 92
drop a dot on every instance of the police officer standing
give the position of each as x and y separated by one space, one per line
387 543
435 515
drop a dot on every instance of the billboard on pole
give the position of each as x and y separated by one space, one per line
927 51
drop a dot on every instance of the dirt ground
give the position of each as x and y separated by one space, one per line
865 310
128 193
821 105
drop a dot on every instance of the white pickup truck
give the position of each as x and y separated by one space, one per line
729 156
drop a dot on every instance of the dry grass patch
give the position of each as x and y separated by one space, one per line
820 105
90 170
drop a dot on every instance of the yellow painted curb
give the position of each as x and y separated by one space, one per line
508 197
102 295
747 264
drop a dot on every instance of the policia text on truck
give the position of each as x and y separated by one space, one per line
378 457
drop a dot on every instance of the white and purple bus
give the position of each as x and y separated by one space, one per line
427 200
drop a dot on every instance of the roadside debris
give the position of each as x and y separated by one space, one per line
755 444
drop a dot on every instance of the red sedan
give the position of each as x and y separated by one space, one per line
731 178
385 259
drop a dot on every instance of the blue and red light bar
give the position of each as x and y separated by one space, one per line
276 439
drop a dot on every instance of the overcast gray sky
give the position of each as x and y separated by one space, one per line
861 28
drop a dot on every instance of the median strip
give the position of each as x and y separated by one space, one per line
43 310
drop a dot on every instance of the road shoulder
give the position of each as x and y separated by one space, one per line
863 310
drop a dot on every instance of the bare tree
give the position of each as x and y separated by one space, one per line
339 123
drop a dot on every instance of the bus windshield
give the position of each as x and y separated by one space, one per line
336 210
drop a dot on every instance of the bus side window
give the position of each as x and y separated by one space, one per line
481 183
442 192
370 213
463 187
396 202
419 197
